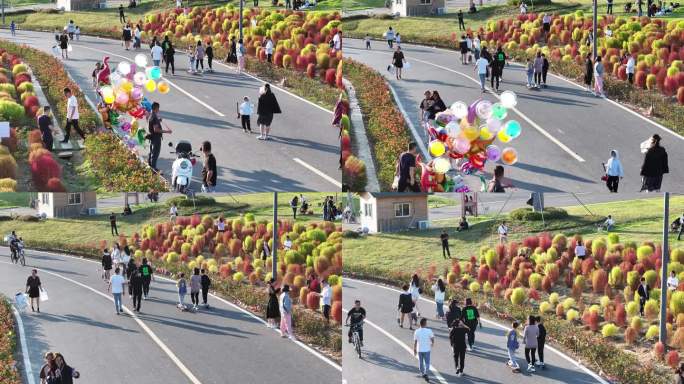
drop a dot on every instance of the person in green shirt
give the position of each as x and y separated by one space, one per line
471 318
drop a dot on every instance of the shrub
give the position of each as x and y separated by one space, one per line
553 298
672 359
598 280
631 335
183 201
544 307
651 309
651 276
652 332
572 315
474 287
568 303
636 323
644 252
615 277
526 214
518 296
632 308
677 303
535 281
659 350
609 330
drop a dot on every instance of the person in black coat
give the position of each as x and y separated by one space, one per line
135 288
266 108
644 293
206 283
588 71
654 166
65 373
106 264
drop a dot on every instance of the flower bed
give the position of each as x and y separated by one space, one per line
116 168
353 170
590 307
46 172
8 371
386 129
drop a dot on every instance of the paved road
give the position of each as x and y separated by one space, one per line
386 355
304 152
579 130
151 347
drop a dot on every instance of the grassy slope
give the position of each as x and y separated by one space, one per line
14 199
384 253
92 229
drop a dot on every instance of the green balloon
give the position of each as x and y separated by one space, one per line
499 111
140 136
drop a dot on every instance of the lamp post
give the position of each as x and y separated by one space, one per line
662 337
240 20
594 30
274 252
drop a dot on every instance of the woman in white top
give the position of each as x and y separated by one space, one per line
125 259
221 225
116 254
173 212
440 291
240 52
672 281
414 289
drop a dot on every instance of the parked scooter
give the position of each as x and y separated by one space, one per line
181 170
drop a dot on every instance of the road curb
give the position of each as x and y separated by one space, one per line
362 146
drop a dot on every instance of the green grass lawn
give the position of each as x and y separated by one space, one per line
89 230
349 4
22 3
14 199
385 253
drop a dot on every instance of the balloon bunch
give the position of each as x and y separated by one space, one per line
122 95
462 138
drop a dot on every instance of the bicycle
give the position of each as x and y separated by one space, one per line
356 338
18 255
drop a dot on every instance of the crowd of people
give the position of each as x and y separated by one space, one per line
55 370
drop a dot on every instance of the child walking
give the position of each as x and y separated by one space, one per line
245 113
512 345
191 57
530 73
182 291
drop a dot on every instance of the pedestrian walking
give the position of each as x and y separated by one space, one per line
294 202
71 116
541 340
503 233
609 10
272 308
199 56
192 55
45 125
598 77
240 52
440 292
48 368
454 314
267 106
469 46
529 71
644 292
231 57
423 341
195 287
209 52
157 53
461 24
457 337
588 71
367 40
64 45
64 372
405 307
71 29
471 318
112 224
173 213
116 287
545 69
405 174
444 238
672 281
397 39
268 48
512 345
106 264
498 65
122 16
398 61
245 111
326 297
13 28
127 36
477 47
389 36
631 64
137 37
206 283
614 171
135 289
209 170
538 68
481 67
182 289
131 267
655 165
155 134
169 58
546 26
681 227
285 306
463 47
33 288
530 335
146 273
415 290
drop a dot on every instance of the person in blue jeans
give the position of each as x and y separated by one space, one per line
116 287
182 291
481 67
423 341
512 345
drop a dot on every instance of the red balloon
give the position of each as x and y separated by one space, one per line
455 155
137 112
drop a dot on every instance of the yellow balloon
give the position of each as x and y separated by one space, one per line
441 165
109 98
127 86
471 133
503 136
437 148
134 125
107 91
150 85
485 134
163 87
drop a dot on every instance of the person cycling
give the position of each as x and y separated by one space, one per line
357 315
12 240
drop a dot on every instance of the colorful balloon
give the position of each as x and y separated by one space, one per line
124 68
484 109
107 91
461 145
441 165
471 133
459 109
121 98
140 136
163 87
494 125
513 128
453 129
503 136
109 98
493 153
155 73
437 148
499 111
137 93
150 85
444 118
509 156
126 127
509 99
485 134
139 78
126 85
141 60
115 78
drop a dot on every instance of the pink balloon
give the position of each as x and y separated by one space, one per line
137 93
493 153
461 145
121 98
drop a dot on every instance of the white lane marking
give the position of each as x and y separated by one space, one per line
617 104
142 325
299 343
409 121
317 171
402 345
552 349
186 93
276 87
536 126
28 370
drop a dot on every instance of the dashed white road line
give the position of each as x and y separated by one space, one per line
536 126
135 317
403 345
28 370
299 343
500 326
317 171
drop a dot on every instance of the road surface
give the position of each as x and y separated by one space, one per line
567 132
159 345
387 354
304 152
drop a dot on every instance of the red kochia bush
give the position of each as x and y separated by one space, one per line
55 185
336 311
312 300
44 168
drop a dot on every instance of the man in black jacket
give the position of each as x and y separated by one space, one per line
206 283
457 338
136 289
644 294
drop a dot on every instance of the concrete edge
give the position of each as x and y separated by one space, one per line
359 135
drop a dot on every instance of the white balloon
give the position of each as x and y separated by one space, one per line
124 68
494 125
484 109
459 109
453 128
141 60
139 78
509 99
115 78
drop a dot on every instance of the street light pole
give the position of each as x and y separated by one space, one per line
594 30
663 272
274 252
240 20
